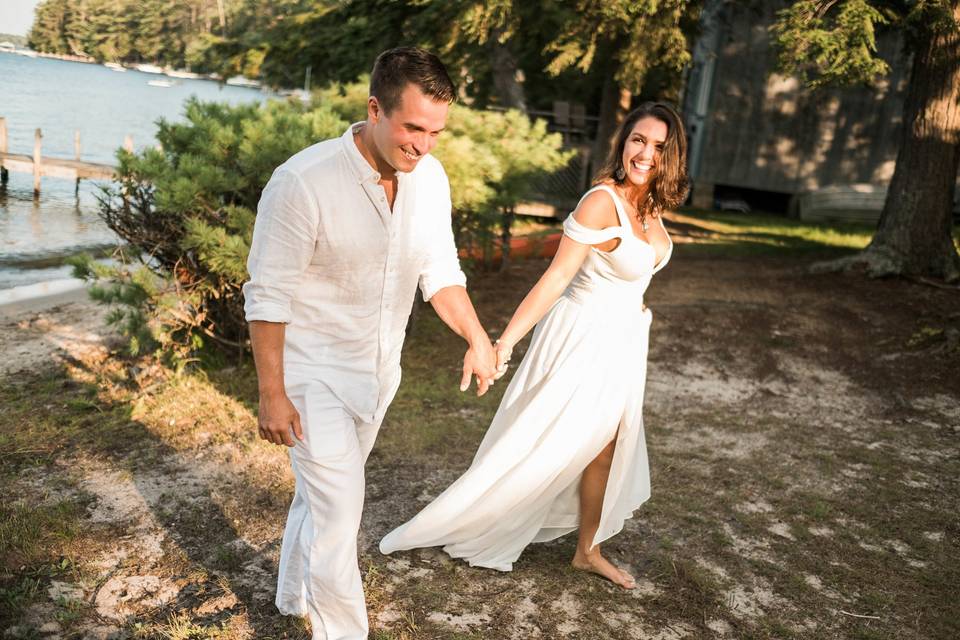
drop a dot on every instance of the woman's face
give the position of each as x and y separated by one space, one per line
643 149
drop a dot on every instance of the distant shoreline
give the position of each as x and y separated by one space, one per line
236 81
43 295
15 40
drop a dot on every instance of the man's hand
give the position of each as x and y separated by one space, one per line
453 306
277 417
480 361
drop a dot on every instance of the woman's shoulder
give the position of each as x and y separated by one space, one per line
597 208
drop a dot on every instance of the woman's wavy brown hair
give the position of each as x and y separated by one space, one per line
670 186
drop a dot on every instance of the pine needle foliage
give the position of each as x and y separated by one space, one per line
827 48
186 209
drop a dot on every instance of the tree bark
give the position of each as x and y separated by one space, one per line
914 233
503 67
614 106
506 225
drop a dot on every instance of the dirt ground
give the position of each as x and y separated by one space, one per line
803 434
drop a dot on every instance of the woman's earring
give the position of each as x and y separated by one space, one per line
620 174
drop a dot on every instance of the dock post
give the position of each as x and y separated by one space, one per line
4 174
37 136
76 155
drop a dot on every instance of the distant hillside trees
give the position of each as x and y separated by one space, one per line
177 34
17 41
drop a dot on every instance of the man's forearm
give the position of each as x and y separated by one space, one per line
453 306
266 341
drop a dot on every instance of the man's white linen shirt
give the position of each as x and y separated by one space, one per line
330 260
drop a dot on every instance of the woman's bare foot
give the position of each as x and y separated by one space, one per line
596 563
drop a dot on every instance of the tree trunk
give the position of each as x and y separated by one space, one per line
503 66
506 224
614 106
914 233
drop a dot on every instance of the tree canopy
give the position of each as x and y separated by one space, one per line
504 52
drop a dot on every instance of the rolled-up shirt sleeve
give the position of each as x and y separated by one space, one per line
284 238
442 266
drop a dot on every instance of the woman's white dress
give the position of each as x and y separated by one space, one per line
579 385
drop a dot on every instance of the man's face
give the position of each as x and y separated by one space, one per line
410 131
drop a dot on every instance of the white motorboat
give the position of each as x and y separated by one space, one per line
186 75
240 81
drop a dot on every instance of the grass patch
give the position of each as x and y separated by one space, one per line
430 416
744 234
29 533
36 545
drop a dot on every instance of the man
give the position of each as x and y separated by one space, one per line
345 231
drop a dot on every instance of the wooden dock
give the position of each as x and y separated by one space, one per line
58 167
69 169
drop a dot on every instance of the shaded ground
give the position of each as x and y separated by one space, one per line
803 435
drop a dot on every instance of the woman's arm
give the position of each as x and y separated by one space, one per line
597 212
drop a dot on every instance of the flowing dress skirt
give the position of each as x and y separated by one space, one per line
580 385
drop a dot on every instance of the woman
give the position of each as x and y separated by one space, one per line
566 448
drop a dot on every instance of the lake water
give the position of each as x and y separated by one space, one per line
59 98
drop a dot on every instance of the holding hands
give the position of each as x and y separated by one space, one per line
487 362
480 361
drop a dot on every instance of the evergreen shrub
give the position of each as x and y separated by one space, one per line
186 209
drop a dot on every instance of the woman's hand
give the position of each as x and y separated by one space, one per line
503 350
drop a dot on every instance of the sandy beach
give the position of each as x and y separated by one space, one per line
40 330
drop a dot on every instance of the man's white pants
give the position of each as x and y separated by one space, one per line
319 575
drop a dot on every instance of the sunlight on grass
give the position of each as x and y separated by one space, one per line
766 233
745 232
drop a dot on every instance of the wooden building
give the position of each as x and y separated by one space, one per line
756 133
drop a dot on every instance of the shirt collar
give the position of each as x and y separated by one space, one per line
361 168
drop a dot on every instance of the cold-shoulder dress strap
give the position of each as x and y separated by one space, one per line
584 234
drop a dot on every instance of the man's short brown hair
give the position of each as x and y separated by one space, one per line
395 68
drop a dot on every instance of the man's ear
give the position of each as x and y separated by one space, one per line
373 109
